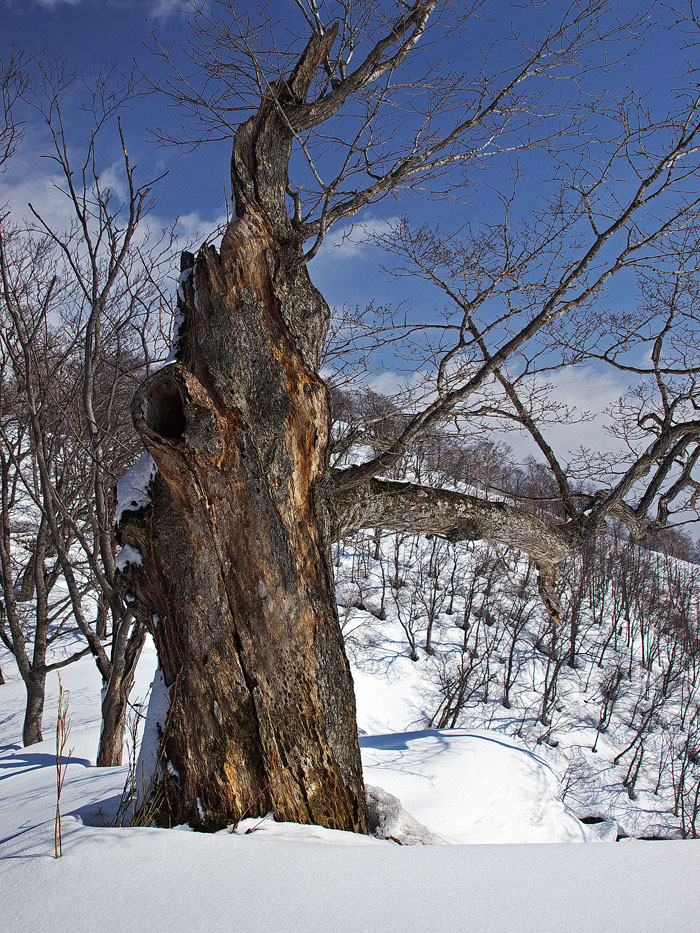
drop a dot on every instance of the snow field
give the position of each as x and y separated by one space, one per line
461 802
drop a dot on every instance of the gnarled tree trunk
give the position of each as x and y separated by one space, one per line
236 556
235 546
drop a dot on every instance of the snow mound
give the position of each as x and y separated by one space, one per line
388 820
472 787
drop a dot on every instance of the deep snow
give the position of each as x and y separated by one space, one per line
464 786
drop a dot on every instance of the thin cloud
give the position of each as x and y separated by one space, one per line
582 389
159 9
52 4
350 241
162 9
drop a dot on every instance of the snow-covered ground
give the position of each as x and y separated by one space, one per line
621 728
471 787
457 787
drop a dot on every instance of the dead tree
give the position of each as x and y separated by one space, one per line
230 531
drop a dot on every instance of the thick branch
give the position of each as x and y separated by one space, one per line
453 515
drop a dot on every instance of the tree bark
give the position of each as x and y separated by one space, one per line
116 691
236 556
36 691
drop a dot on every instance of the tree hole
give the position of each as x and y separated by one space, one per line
165 412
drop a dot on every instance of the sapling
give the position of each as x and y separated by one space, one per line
62 733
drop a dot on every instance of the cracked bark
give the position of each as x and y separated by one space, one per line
236 564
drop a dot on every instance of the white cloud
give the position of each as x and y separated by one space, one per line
162 9
52 4
158 9
42 192
196 229
350 241
582 389
27 181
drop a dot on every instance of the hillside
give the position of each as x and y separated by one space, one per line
447 764
609 700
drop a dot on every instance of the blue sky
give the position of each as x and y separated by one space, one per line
117 31
81 30
195 189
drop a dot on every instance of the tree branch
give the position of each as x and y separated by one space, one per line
456 516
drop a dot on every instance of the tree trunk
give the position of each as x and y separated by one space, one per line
36 690
116 692
114 705
236 569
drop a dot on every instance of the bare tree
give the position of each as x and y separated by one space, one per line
430 590
330 113
81 308
13 82
117 266
35 459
